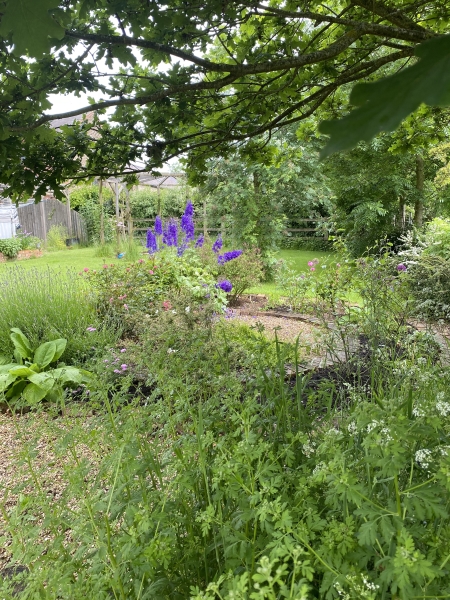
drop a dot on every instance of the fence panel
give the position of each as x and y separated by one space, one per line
37 219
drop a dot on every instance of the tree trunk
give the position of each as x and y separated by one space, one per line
401 213
102 215
418 206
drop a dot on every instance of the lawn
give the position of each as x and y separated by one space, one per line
81 258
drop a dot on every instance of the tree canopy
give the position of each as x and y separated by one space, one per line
195 78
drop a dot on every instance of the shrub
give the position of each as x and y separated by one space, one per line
427 258
56 238
10 247
47 304
28 241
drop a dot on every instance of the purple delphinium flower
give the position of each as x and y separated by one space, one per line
151 244
189 210
217 245
172 233
401 267
158 226
181 249
187 225
200 241
227 256
225 285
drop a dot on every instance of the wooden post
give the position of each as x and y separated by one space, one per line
116 186
158 209
102 216
43 222
129 218
69 215
205 224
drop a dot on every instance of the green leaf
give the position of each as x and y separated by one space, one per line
4 360
34 393
30 24
6 379
6 368
45 354
45 381
21 371
72 374
16 390
61 344
385 103
21 343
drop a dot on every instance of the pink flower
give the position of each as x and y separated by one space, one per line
91 329
151 272
123 350
338 265
85 269
312 269
140 261
125 306
124 367
117 371
111 300
310 263
105 266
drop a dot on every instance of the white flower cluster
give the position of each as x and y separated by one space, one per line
443 408
371 426
423 457
418 412
308 449
385 436
352 428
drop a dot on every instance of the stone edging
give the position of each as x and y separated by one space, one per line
22 255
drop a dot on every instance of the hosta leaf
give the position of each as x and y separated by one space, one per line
61 344
34 393
385 103
45 354
43 380
6 368
72 374
21 343
21 371
6 379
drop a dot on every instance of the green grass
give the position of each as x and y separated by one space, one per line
81 258
77 258
298 260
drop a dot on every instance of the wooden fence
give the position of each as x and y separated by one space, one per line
289 230
37 219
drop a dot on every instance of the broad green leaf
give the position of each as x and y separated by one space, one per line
65 374
34 393
30 24
45 354
6 379
45 381
6 368
61 344
16 389
21 343
21 371
385 103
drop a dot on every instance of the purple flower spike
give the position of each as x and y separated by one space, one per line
217 245
158 226
172 233
151 244
181 249
200 241
227 256
401 267
189 210
187 225
225 285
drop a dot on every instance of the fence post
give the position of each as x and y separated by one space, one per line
69 215
205 224
43 221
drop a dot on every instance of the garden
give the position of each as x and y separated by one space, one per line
159 446
236 387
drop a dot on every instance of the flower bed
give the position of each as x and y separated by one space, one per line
23 255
